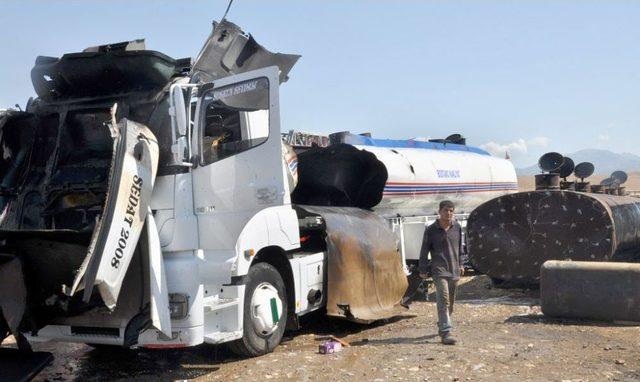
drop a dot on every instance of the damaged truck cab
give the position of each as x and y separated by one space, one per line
145 201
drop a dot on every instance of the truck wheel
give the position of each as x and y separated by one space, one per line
265 312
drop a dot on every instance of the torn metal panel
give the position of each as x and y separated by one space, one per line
114 241
365 275
124 46
13 294
90 74
229 50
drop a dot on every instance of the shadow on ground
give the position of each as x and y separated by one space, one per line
114 363
479 288
542 319
320 324
399 340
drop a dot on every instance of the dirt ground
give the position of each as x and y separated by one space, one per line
502 337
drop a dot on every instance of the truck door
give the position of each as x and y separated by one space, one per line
239 155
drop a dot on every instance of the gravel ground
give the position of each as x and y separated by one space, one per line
502 337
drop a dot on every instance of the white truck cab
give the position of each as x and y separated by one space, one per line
226 230
236 212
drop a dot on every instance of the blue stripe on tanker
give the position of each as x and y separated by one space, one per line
461 187
412 144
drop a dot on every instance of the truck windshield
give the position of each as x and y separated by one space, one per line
235 119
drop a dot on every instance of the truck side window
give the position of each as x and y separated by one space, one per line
235 119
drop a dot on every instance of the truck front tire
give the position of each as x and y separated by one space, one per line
265 312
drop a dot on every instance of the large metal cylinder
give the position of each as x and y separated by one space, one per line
547 181
599 291
510 237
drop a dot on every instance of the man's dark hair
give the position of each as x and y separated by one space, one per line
446 204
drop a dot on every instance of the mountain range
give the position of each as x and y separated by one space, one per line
605 162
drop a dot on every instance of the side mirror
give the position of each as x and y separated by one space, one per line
179 110
179 127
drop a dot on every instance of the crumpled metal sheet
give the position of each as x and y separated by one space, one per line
116 235
365 276
229 50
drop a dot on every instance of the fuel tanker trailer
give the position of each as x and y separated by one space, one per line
402 180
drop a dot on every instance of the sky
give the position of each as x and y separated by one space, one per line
525 77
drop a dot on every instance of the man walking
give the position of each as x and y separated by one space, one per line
443 239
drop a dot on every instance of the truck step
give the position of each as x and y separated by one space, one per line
222 337
212 305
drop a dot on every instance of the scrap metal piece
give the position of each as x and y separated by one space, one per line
510 237
229 50
599 291
123 46
365 276
105 72
340 175
13 294
114 240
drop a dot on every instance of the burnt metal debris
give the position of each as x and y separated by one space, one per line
365 280
57 157
510 237
339 175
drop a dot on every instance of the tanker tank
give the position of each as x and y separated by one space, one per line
401 177
510 237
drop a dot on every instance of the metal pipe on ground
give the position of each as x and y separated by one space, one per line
510 237
597 291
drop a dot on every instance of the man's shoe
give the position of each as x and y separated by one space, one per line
447 339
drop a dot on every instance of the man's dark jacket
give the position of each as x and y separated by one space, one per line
447 251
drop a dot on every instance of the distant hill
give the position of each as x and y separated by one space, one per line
605 162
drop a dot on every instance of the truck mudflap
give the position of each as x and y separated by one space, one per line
365 276
126 207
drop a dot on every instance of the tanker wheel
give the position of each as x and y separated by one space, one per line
265 312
